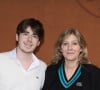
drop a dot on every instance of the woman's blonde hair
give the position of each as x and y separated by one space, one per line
66 33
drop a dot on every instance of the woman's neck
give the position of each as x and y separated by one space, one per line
71 64
70 68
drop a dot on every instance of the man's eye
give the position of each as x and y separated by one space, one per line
34 36
25 34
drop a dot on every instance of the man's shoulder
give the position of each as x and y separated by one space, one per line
7 53
43 63
3 56
4 60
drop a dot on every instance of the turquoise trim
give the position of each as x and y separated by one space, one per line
63 80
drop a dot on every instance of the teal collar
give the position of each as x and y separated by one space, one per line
63 79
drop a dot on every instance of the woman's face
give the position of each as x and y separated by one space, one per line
70 48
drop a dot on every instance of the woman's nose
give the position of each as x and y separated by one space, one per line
69 46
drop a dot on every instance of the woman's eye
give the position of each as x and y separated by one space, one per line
65 43
75 43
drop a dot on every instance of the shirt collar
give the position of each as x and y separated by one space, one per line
34 64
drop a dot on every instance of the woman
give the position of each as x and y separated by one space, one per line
70 68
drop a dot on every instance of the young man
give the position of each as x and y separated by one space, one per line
20 69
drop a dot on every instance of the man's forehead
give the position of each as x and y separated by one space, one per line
30 31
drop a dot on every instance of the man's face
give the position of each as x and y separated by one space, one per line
27 41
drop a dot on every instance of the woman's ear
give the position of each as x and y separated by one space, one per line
60 49
81 50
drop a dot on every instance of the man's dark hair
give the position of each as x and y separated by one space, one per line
35 25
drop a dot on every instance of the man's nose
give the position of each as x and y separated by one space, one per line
30 38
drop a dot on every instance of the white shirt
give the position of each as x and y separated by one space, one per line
14 77
34 64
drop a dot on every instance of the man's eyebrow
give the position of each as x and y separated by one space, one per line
25 32
34 34
28 32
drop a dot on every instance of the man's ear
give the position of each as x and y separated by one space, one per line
38 43
16 37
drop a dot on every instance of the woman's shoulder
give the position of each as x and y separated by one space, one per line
52 67
92 68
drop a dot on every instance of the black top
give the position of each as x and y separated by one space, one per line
86 77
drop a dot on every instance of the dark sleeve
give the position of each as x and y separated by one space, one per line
49 77
95 72
96 76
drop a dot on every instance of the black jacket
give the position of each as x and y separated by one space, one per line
90 72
